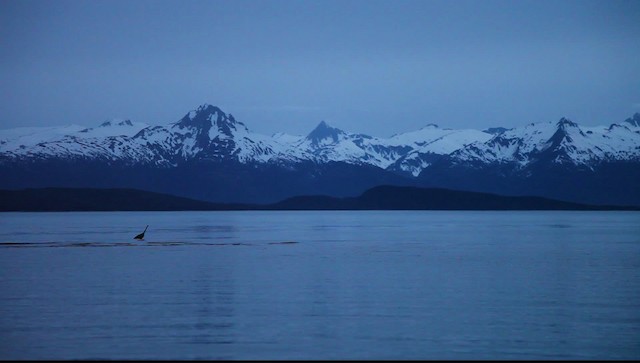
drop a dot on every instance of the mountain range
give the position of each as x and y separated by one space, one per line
211 156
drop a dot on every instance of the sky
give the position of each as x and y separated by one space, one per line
372 67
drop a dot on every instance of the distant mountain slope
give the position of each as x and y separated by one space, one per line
378 198
412 198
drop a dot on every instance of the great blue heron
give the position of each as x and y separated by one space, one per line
141 235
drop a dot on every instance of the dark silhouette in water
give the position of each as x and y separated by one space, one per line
141 235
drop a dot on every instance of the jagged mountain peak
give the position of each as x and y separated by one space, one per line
566 123
116 122
113 127
324 125
634 120
210 111
563 133
206 106
206 116
324 131
202 117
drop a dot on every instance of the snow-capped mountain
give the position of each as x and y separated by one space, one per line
205 133
66 141
208 133
209 136
429 144
595 164
30 136
564 142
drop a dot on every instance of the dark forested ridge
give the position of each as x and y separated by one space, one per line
377 198
414 198
89 199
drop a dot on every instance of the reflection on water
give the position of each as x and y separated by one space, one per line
214 312
320 285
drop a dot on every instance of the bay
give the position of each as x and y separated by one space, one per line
320 285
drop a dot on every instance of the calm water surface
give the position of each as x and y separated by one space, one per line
320 285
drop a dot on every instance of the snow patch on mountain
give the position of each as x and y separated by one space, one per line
25 137
114 127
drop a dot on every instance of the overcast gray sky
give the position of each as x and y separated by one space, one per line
375 67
